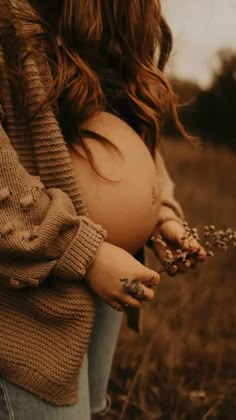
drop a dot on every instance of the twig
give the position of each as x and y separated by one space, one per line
212 409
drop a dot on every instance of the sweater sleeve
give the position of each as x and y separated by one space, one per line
170 208
40 231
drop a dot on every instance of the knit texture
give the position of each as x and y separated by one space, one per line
47 243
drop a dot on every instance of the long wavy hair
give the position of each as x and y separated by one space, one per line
101 54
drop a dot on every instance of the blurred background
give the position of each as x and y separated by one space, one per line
183 366
202 67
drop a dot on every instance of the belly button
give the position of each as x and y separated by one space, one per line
154 196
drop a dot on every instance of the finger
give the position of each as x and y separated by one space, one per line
193 245
140 292
197 256
148 293
149 277
154 280
127 300
159 251
116 305
201 256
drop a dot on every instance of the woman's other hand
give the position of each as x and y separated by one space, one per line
173 233
112 264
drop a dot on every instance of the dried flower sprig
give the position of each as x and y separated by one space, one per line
212 240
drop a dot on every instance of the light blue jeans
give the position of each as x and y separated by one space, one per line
19 404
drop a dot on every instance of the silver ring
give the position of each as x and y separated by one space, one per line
131 286
134 288
149 282
128 303
153 275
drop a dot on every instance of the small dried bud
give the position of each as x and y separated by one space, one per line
210 253
169 254
219 243
188 264
173 269
214 240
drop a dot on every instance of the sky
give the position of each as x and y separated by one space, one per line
200 29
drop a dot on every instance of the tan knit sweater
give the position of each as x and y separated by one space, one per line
47 242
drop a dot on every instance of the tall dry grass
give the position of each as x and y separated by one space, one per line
183 367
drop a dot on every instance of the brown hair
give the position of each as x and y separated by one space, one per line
105 60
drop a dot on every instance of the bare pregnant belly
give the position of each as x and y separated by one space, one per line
127 209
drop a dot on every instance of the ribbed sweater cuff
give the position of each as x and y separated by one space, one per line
81 252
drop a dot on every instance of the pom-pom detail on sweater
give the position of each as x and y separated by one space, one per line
6 229
29 235
4 194
27 201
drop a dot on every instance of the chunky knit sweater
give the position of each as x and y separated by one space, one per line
47 242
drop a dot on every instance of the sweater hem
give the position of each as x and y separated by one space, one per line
32 381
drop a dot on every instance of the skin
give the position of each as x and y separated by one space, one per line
110 265
114 259
173 233
113 263
125 208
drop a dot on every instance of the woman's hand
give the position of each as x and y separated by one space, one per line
173 233
112 264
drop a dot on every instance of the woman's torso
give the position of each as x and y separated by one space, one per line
127 209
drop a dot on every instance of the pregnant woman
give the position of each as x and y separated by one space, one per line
83 187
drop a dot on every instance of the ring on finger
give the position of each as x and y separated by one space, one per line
129 303
149 282
153 275
137 290
132 287
139 294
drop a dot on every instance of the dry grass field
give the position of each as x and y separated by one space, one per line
183 367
